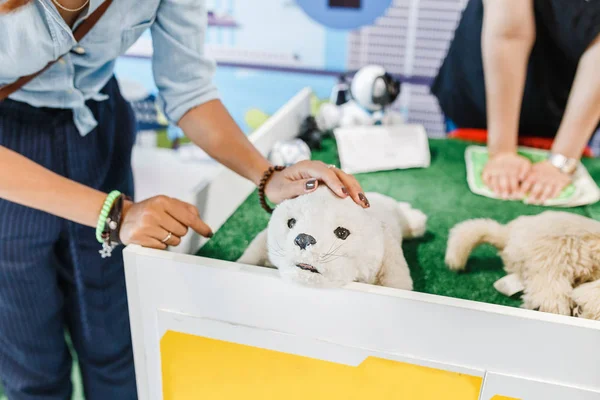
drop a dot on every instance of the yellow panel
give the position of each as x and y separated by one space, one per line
498 397
195 367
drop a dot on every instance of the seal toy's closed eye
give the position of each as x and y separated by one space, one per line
321 240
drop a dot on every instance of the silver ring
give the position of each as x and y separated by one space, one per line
165 240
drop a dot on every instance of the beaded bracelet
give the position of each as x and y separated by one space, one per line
108 203
112 227
263 183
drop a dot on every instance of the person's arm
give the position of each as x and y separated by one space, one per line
24 182
27 183
579 121
583 107
211 127
507 38
183 75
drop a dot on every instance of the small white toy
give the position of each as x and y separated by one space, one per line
289 152
321 240
552 257
371 92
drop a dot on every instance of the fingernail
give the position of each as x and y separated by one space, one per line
345 191
210 234
363 198
310 185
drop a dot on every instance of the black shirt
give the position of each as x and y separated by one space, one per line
564 30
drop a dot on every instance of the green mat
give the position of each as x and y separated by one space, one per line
441 192
479 158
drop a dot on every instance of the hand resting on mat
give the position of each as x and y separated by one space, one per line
543 182
504 173
513 177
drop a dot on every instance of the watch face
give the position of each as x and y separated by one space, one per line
564 164
557 161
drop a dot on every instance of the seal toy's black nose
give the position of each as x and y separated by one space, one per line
303 241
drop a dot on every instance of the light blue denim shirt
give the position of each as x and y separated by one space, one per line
36 35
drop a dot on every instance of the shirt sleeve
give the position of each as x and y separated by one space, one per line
182 71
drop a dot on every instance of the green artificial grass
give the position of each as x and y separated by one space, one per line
441 192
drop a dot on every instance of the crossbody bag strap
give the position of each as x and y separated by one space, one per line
78 34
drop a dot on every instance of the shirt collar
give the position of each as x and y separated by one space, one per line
51 8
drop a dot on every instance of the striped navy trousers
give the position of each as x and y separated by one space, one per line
52 278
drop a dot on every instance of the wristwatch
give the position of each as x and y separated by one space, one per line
564 164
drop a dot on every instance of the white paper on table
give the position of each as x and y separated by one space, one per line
365 149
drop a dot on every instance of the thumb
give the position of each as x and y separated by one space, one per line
300 187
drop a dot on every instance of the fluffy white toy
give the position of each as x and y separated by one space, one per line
555 255
372 91
321 240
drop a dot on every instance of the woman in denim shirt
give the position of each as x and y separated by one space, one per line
65 143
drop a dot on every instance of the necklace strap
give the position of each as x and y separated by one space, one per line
70 9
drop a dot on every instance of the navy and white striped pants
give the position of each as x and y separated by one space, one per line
51 275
